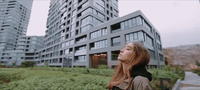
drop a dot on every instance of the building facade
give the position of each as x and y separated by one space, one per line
89 33
14 19
25 50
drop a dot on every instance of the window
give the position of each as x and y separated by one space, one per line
136 36
115 27
87 20
66 51
88 10
86 28
115 55
152 54
81 58
122 25
71 42
98 33
99 44
149 40
161 57
115 41
139 20
145 24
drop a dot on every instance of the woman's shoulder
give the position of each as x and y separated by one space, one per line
141 83
140 79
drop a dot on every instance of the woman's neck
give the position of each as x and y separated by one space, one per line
125 67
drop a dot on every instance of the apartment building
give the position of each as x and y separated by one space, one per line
89 33
14 19
30 44
25 50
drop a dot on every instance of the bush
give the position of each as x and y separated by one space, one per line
6 64
197 63
47 64
2 65
14 63
27 64
103 67
174 73
197 71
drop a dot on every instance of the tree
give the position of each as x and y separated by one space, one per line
27 64
14 63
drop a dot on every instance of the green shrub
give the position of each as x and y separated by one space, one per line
174 73
55 78
6 65
27 64
103 67
197 71
47 64
197 63
2 65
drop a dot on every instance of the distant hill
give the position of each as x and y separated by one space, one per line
183 55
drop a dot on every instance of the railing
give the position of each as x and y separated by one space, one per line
177 85
161 83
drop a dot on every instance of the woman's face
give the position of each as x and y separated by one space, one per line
126 53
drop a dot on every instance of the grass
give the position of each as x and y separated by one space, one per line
46 78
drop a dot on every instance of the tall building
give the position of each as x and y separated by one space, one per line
14 19
89 33
25 50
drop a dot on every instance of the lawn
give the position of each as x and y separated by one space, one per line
54 78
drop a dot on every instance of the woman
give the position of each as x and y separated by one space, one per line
131 73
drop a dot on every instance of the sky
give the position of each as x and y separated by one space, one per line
178 21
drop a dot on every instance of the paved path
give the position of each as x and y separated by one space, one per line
191 79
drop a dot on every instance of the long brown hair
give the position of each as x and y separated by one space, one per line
140 56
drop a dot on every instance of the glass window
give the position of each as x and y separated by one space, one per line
72 33
126 24
149 40
140 36
152 54
67 43
88 10
139 20
106 43
71 42
115 41
135 36
122 25
131 37
127 38
130 23
73 13
86 28
161 57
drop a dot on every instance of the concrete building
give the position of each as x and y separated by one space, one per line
25 50
30 44
89 33
14 19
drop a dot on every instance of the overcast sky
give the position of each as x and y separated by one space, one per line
178 21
